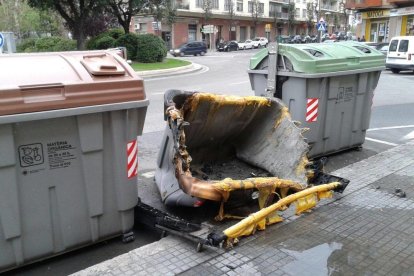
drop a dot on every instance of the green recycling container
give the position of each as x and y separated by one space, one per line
328 87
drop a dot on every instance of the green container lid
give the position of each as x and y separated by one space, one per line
325 57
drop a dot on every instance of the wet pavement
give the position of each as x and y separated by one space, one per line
368 230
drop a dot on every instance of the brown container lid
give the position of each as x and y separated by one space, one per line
50 81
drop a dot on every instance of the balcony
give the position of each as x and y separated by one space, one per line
363 4
329 7
280 1
182 5
279 15
401 3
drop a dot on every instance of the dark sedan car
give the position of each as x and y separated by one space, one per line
191 48
228 46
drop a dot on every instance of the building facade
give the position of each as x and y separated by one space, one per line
241 20
381 20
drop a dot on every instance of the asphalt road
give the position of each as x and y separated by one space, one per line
392 123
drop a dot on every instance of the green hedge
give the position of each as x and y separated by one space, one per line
105 42
47 44
151 48
130 41
91 44
147 48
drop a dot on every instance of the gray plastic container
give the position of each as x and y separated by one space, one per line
64 175
342 78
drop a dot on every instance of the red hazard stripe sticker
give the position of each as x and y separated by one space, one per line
132 162
312 110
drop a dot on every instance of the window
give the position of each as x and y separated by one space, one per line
274 10
239 5
254 7
142 28
304 13
403 46
227 5
393 45
297 12
261 8
215 4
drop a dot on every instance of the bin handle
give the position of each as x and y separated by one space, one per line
40 86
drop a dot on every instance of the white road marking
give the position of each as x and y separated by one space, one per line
149 174
381 141
409 136
237 83
392 127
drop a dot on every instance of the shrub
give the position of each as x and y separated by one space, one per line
114 33
105 42
47 44
130 41
151 48
65 45
26 45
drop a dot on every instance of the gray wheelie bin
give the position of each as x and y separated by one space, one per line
328 87
68 162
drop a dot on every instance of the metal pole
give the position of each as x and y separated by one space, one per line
319 15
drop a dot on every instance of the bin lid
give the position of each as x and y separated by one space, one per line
325 57
60 80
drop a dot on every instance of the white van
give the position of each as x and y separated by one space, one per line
401 54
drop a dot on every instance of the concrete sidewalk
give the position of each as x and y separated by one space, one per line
368 230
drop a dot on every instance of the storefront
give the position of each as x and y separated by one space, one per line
376 25
404 18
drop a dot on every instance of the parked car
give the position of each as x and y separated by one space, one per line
400 54
380 46
283 39
259 42
228 46
190 48
248 44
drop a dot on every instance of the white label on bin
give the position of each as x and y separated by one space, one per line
312 110
132 162
60 154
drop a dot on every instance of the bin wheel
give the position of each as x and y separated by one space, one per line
199 247
128 237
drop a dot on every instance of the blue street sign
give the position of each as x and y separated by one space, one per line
1 40
321 26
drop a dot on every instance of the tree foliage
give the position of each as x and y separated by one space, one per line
125 10
256 12
75 13
17 16
291 17
310 16
231 12
207 10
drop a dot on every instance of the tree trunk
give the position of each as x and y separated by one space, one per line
79 35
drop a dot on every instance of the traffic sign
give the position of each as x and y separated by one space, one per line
321 28
208 29
1 40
